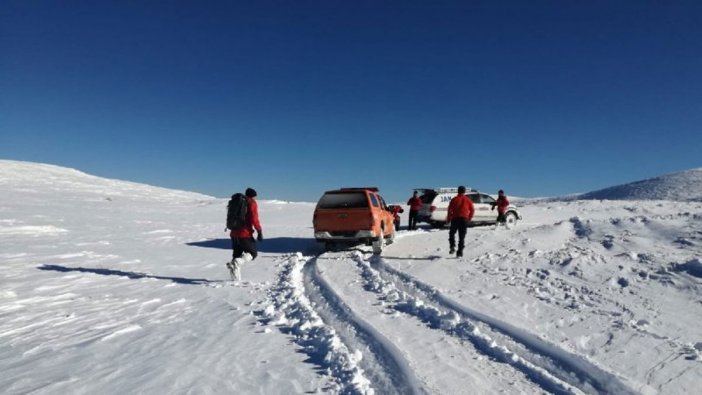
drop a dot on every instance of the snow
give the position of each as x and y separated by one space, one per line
681 186
115 287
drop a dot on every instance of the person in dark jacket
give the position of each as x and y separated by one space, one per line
415 204
460 213
502 204
243 242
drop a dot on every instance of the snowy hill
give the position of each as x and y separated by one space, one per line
682 186
130 295
50 180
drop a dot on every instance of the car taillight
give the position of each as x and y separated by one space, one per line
432 208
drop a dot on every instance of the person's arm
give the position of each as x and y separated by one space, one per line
449 211
255 222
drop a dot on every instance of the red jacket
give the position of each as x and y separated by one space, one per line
502 203
396 210
415 203
460 207
252 222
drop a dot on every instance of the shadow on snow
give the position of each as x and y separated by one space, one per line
130 275
279 245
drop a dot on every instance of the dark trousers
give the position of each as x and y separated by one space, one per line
242 245
412 219
501 218
460 225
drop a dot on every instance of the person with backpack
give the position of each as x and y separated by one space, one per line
460 213
242 220
415 204
502 204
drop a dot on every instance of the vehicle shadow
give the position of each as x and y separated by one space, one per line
408 258
278 245
130 275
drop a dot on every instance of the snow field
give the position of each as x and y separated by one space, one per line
112 287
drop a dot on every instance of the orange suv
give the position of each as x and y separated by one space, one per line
353 215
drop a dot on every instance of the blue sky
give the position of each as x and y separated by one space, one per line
540 98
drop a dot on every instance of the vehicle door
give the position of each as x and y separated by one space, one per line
488 201
427 197
386 215
482 211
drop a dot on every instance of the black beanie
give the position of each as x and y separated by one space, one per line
250 192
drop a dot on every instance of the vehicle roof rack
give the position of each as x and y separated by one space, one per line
446 190
373 189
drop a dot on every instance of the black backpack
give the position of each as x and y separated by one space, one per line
236 211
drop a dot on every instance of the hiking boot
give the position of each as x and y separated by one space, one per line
459 254
234 270
452 250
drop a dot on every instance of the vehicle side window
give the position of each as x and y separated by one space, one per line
374 200
475 198
382 203
487 199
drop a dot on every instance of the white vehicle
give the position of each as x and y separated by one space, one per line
436 201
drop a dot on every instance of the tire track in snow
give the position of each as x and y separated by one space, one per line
302 304
548 366
386 368
291 310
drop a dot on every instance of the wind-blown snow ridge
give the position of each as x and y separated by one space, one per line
682 186
291 310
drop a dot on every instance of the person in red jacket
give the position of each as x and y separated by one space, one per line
243 242
502 203
396 210
460 213
415 204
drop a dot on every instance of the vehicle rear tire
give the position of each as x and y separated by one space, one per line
379 243
510 220
323 246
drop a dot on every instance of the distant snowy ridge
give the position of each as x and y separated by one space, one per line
682 186
40 178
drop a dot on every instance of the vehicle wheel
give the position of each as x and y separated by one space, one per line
323 246
510 220
379 243
436 224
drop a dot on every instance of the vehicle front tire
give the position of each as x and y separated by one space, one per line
510 220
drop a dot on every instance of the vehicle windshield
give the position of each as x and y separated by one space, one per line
343 200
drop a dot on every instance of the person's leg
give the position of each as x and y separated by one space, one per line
236 248
233 265
452 237
462 228
249 247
